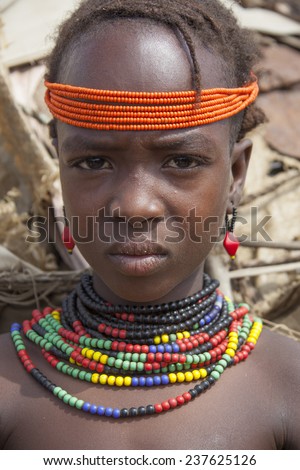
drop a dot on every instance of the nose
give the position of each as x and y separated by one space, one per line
138 198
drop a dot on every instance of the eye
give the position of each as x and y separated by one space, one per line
183 162
93 163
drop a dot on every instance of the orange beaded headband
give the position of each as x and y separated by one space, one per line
140 111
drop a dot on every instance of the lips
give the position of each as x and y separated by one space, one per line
138 259
137 249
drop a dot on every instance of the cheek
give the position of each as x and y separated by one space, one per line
196 215
203 206
208 194
79 199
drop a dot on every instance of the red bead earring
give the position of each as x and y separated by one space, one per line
230 242
67 238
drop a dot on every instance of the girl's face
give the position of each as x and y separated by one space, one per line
147 203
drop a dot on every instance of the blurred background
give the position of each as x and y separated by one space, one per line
36 270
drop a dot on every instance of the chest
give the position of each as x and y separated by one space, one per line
228 416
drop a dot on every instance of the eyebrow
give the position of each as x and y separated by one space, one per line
78 142
172 141
176 141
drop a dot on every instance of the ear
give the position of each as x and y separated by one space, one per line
240 158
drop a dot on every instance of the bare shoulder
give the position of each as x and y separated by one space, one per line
279 360
10 387
7 365
282 350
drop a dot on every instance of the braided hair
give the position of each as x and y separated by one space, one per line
206 20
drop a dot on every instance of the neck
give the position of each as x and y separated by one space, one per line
150 294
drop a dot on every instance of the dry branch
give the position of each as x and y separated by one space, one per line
272 245
267 269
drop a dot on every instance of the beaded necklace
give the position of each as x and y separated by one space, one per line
193 339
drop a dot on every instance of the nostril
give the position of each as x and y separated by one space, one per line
136 208
137 221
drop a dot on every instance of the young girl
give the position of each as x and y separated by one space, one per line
151 102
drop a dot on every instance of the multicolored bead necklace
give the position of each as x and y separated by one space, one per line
193 339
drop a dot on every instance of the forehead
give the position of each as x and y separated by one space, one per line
138 55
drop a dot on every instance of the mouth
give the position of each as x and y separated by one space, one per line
138 259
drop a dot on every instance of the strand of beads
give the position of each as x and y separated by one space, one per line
124 110
73 348
93 301
142 323
139 359
98 362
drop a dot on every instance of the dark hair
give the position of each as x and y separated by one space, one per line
209 20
